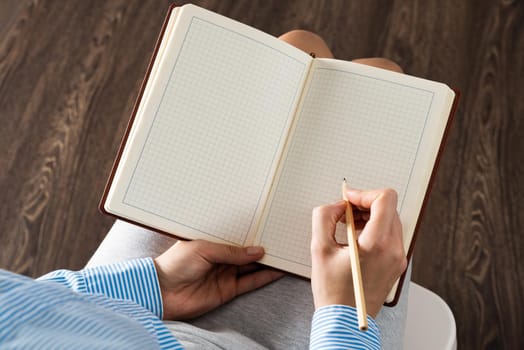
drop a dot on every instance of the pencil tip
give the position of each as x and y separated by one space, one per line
344 179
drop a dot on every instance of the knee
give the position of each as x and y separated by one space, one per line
307 41
390 65
380 62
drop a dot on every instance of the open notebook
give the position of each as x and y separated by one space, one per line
236 136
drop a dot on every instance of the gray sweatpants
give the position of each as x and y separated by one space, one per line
277 316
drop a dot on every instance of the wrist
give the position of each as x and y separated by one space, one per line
166 314
345 299
331 284
321 300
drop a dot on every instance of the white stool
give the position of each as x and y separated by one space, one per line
430 323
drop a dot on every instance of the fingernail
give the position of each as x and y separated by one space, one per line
254 250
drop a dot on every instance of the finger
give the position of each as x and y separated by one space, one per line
245 269
362 199
384 206
383 216
324 222
258 279
360 217
380 202
216 253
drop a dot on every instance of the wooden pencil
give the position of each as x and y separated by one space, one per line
360 300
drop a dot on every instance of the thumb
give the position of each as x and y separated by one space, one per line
217 253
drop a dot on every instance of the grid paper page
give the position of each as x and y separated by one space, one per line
214 138
353 126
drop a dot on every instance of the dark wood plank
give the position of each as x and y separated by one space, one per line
470 246
9 10
70 71
74 84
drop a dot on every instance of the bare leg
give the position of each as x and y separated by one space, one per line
308 42
380 62
315 45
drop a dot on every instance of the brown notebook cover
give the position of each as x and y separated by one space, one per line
130 123
428 190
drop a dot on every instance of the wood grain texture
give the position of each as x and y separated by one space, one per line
9 10
477 265
70 72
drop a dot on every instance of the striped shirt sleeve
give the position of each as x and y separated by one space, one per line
132 280
48 314
336 327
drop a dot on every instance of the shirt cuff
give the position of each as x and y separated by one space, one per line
134 280
336 327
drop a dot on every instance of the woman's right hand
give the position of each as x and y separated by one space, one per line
381 250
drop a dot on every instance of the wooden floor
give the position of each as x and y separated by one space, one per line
70 71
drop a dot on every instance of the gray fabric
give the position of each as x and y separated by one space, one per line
195 338
277 316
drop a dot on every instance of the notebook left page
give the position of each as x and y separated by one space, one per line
209 129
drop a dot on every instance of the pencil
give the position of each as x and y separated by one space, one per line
360 300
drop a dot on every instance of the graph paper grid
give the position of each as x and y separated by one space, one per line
215 134
351 126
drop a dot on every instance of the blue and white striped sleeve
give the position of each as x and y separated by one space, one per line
133 280
336 327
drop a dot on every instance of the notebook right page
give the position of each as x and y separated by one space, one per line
374 127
